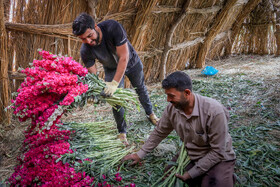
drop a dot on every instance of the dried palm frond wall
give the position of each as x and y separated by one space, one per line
24 41
257 35
4 79
168 35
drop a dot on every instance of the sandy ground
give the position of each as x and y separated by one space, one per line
266 68
255 67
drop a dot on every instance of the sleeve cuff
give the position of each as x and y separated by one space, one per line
195 172
122 42
141 153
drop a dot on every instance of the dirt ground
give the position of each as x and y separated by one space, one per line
254 67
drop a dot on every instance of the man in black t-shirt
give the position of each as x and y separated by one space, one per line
108 43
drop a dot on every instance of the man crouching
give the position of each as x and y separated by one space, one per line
202 125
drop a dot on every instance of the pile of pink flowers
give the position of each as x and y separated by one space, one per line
38 166
51 84
50 87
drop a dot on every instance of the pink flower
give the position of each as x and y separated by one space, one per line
118 178
87 159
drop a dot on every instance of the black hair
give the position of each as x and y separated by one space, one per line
178 80
82 23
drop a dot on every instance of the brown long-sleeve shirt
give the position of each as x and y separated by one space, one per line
204 133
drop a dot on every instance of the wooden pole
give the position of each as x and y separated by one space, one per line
168 44
220 21
4 78
277 28
91 7
277 36
69 46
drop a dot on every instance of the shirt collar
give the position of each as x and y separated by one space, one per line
195 108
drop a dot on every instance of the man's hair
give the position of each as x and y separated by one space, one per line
82 23
178 80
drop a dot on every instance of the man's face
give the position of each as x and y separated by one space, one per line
91 37
177 98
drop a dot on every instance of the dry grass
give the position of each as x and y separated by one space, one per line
89 113
11 139
254 66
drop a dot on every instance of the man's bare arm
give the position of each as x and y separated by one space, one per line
123 54
92 69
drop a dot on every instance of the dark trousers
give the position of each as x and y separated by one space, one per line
220 175
136 77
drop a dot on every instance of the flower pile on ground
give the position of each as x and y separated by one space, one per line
50 86
54 85
38 166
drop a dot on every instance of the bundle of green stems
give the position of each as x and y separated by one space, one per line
169 179
98 142
122 97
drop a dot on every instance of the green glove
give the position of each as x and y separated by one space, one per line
111 87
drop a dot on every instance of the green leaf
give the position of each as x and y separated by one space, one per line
57 160
64 160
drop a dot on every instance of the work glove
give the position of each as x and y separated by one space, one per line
122 137
153 119
111 87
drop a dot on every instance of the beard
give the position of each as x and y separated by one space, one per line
97 39
182 104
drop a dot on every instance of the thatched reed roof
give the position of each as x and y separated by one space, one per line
169 35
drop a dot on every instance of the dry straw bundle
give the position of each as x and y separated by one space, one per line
257 34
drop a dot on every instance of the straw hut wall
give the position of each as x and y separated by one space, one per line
168 35
4 79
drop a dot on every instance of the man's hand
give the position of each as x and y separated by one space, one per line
133 157
183 177
111 87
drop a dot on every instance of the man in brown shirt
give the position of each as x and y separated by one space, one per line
201 123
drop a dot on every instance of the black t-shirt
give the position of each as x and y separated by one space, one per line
113 34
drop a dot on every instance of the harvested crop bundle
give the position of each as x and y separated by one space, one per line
178 167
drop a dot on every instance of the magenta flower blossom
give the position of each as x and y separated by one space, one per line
119 178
